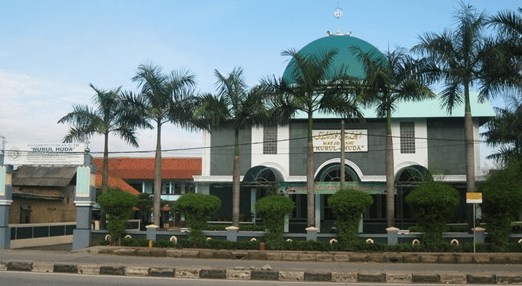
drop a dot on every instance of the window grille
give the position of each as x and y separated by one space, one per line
407 137
270 140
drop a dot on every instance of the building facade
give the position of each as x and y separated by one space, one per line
427 142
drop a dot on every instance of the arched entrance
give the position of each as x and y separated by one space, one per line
258 182
332 173
406 180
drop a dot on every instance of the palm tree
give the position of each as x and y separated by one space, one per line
314 86
389 80
237 106
163 98
505 132
108 116
509 25
463 57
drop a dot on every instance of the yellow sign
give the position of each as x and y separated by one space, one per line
474 198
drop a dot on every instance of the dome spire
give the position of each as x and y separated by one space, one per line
338 13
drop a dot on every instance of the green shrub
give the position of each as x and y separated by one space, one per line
197 208
502 202
433 204
118 205
273 209
348 205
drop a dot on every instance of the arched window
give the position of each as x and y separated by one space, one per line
332 173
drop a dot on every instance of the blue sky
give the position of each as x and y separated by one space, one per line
51 50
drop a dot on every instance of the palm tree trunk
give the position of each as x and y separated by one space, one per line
236 183
157 177
310 175
470 152
105 177
390 178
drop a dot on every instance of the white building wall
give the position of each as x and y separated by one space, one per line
279 161
420 157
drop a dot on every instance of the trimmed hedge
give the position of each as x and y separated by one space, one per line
349 205
273 209
118 205
197 208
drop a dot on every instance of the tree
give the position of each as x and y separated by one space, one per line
505 132
509 25
163 98
119 208
314 86
389 80
234 106
463 57
196 209
108 116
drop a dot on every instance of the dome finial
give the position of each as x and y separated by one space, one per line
338 13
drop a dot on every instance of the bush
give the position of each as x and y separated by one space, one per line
197 208
273 208
433 204
118 205
502 202
348 205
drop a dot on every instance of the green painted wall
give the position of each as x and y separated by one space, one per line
222 153
446 150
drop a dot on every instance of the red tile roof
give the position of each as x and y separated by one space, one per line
116 183
143 168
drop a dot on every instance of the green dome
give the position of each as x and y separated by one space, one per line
345 57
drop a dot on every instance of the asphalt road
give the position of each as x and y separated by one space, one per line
9 278
117 260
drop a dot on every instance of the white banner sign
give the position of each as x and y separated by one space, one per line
355 140
44 153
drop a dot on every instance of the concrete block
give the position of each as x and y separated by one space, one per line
206 254
452 278
238 274
291 275
142 252
500 259
425 278
394 277
161 272
482 258
515 258
371 277
313 276
192 273
3 266
273 256
338 257
19 266
257 255
411 258
481 279
112 270
223 254
89 269
190 253
509 279
355 257
393 257
376 257
264 275
306 257
125 251
45 267
137 271
66 268
239 254
174 253
158 252
447 258
463 258
290 256
429 258
344 277
324 257
212 274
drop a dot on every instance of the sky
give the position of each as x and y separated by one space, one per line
50 51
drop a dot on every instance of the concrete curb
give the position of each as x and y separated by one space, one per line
254 274
317 256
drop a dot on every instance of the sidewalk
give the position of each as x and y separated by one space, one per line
132 261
